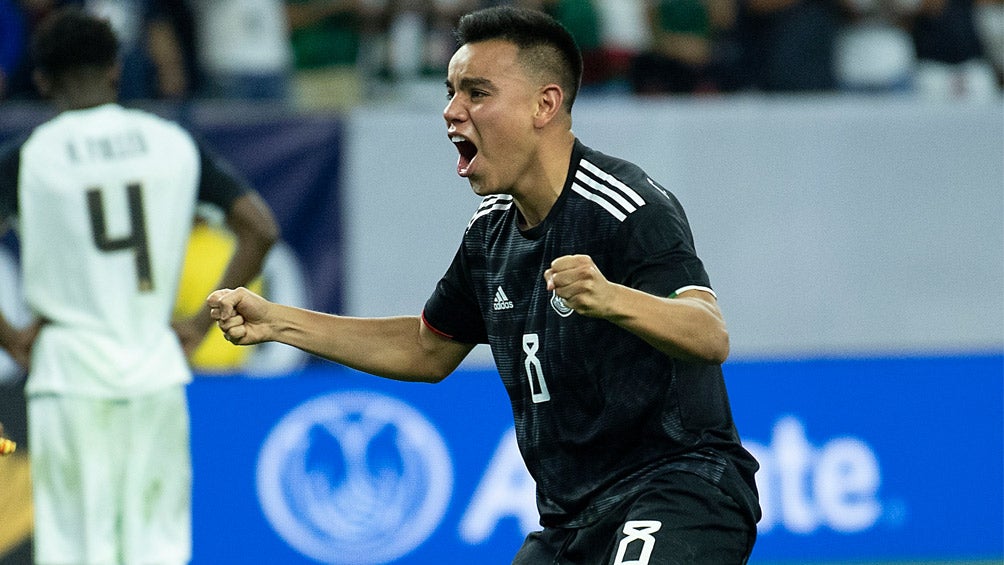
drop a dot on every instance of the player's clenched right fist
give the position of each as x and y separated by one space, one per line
241 315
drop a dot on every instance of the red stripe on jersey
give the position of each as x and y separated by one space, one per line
434 330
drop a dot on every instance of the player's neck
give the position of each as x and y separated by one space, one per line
541 190
82 103
87 88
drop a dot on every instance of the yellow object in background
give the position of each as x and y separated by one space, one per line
209 251
16 508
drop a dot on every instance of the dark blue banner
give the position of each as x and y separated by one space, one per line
863 460
293 159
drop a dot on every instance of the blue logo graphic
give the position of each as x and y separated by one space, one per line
354 477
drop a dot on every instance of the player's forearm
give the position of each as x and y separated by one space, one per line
8 334
17 342
386 347
256 231
244 265
246 262
303 15
685 327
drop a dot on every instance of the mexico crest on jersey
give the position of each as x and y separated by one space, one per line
558 303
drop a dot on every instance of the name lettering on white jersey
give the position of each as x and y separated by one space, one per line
115 145
490 203
502 301
600 187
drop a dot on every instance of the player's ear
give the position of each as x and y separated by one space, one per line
114 75
550 100
43 82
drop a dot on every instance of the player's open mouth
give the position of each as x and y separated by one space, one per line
468 151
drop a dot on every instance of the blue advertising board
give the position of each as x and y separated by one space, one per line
879 459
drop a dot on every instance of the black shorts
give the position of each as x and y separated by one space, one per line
676 519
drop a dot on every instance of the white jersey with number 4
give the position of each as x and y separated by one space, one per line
106 198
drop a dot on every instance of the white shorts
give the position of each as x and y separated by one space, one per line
111 479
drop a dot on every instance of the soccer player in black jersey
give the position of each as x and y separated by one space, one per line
580 271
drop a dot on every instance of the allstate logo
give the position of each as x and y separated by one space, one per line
354 477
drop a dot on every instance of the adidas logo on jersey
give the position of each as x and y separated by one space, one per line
502 301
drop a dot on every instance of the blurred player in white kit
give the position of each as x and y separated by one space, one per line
104 199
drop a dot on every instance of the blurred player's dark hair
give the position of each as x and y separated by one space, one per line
72 39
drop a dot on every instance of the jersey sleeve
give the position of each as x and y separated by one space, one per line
659 253
452 310
219 183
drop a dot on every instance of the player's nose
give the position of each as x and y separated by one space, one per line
454 111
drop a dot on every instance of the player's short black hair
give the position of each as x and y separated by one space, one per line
71 39
545 45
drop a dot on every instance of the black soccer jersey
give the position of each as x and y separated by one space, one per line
597 410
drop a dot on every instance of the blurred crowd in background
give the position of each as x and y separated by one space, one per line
334 54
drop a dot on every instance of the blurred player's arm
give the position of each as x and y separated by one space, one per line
305 14
17 342
400 348
167 55
249 219
255 232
